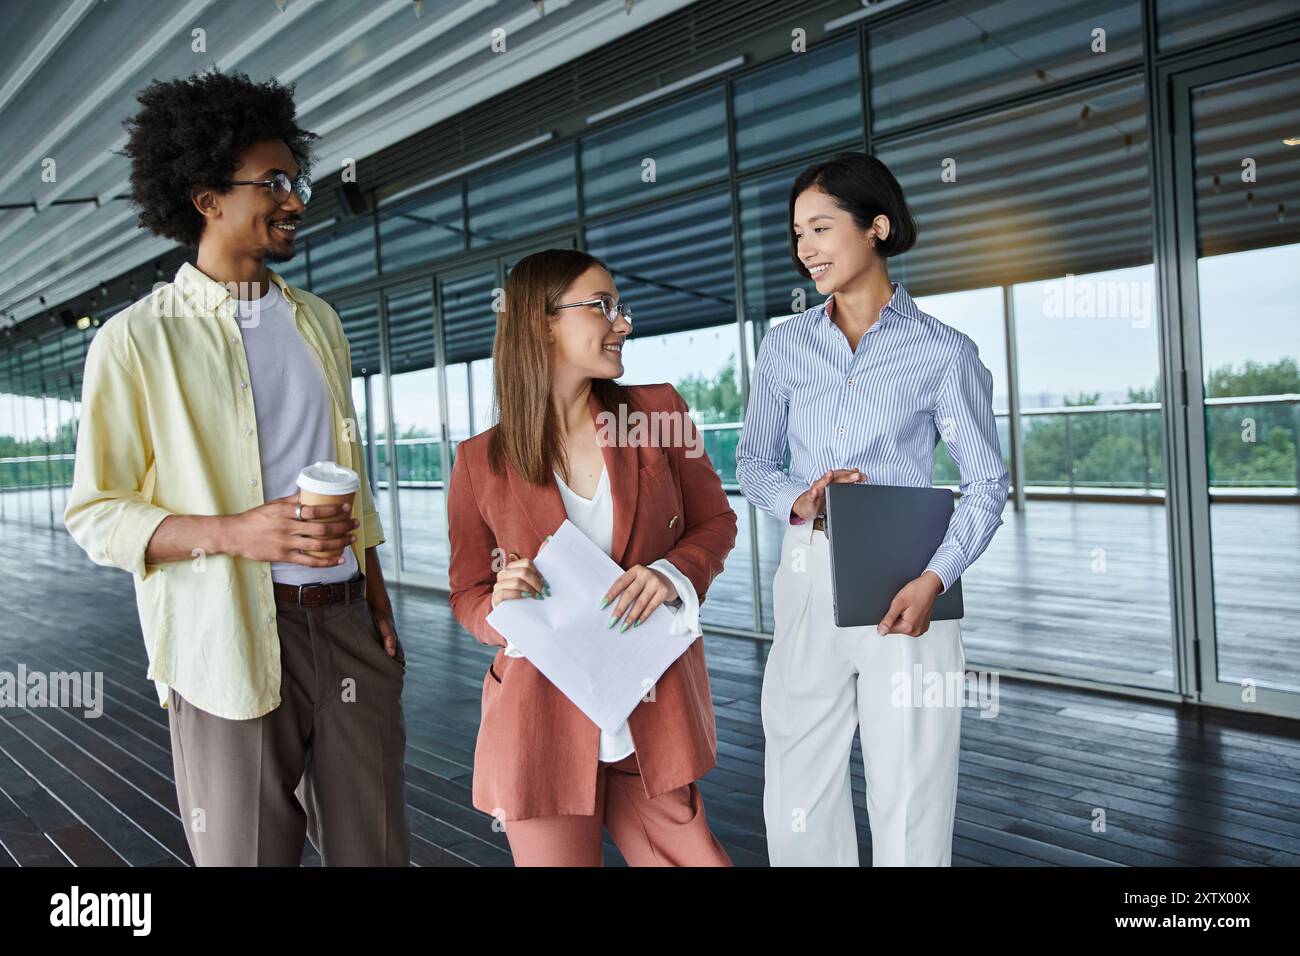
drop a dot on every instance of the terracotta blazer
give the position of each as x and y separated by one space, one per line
537 753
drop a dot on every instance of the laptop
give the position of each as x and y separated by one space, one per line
880 538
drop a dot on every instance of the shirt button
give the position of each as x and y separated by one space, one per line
243 385
253 481
270 618
850 381
262 573
841 429
248 431
233 340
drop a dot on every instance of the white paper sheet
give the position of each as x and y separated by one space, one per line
567 637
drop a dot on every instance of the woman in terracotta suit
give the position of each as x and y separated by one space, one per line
541 766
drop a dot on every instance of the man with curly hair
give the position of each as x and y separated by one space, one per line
277 660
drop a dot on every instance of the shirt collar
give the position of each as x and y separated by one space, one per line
899 304
204 295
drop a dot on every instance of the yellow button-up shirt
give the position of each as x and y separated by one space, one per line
168 427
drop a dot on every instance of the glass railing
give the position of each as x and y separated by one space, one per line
35 471
1094 449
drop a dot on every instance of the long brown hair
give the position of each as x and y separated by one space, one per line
527 436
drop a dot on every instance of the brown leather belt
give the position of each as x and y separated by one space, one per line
318 595
819 523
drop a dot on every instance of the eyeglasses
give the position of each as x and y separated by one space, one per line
280 185
613 308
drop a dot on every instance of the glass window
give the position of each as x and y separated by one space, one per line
523 197
360 321
672 263
483 408
653 154
1247 269
1181 23
343 256
417 427
1074 196
411 343
421 229
469 400
806 102
948 59
361 328
1088 367
469 321
1088 339
702 365
772 286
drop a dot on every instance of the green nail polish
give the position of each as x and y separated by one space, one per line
612 621
636 625
604 604
623 628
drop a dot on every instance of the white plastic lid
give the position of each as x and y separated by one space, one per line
328 478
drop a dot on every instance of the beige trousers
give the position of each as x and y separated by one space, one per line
326 764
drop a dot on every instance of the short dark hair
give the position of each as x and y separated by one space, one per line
864 187
192 132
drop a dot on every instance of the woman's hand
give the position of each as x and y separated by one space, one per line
639 591
813 501
519 579
912 607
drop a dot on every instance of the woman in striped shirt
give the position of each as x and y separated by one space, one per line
861 388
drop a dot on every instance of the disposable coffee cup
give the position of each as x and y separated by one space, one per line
327 483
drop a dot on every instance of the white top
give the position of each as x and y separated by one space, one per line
594 517
292 405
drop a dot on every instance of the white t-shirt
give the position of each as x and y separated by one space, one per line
594 517
293 409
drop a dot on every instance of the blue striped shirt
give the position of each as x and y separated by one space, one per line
881 409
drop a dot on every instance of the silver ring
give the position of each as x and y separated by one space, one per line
297 512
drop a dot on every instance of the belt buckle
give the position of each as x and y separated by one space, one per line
301 595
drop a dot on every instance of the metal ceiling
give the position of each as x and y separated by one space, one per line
367 75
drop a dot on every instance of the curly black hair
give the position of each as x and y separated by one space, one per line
192 132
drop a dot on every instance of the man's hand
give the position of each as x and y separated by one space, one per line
270 532
813 501
910 611
377 597
639 591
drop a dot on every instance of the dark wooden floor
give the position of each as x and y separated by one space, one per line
1178 785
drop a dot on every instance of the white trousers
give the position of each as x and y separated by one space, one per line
821 683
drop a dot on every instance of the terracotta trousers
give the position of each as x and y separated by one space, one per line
669 830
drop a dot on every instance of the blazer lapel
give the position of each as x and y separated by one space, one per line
544 507
622 463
